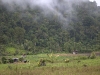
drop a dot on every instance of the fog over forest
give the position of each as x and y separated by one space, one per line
37 26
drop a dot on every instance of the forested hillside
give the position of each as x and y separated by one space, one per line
32 30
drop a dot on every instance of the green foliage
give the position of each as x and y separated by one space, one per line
32 31
21 59
92 55
74 67
42 62
10 60
67 60
10 50
4 60
2 50
52 58
81 58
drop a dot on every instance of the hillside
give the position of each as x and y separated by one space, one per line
75 27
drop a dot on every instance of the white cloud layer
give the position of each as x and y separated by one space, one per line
97 1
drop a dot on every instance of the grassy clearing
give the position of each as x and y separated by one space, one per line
75 66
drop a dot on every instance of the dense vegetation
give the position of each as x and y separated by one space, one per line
30 30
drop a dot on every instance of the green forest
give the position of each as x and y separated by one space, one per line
33 32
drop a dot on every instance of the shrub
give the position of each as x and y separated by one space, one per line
66 60
42 62
21 59
4 60
92 55
11 60
52 58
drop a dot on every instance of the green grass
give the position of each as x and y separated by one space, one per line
10 50
13 51
59 67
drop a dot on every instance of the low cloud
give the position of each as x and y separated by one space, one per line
63 9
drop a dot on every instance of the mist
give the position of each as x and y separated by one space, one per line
63 9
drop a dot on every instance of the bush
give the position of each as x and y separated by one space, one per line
11 60
92 55
42 62
21 59
67 60
4 60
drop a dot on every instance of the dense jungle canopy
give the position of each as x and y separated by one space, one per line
36 32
